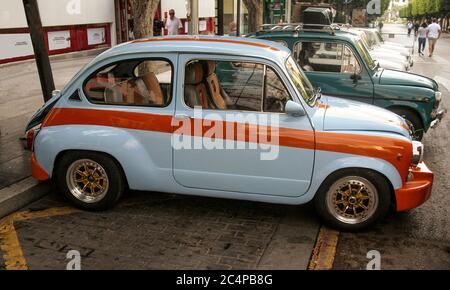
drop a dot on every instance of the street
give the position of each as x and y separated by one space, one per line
150 230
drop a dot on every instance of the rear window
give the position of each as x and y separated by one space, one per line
132 83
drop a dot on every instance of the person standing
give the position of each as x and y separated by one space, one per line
380 25
232 27
433 34
172 24
410 27
416 28
422 36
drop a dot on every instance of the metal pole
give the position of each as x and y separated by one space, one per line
288 7
193 24
40 51
238 22
220 12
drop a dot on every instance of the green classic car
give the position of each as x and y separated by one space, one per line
339 63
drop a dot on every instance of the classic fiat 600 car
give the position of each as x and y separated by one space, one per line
153 115
337 61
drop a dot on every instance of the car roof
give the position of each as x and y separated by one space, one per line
340 34
201 44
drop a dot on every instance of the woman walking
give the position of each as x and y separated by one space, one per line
422 35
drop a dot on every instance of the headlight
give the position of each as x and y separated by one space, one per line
438 96
418 150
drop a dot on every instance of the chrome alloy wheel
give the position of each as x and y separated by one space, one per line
352 200
87 180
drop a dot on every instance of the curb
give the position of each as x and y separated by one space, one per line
20 194
65 56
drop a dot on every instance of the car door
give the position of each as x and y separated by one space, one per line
335 68
243 142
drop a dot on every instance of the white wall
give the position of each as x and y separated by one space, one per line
206 8
58 12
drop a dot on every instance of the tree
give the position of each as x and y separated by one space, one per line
255 14
143 16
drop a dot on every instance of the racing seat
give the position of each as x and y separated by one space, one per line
195 93
144 90
218 95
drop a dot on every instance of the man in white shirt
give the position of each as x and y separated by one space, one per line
173 24
433 34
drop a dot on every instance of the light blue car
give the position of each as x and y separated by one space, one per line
153 115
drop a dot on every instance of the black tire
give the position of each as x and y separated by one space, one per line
116 183
383 192
413 120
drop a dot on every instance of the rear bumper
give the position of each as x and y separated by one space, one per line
37 171
417 191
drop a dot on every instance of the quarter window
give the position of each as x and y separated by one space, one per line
326 57
240 86
133 82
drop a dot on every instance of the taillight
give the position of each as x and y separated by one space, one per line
29 138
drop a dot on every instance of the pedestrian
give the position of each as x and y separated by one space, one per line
172 24
380 25
232 27
433 34
416 28
410 27
422 36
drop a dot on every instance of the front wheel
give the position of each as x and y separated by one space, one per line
90 180
353 199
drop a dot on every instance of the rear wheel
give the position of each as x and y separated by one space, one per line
413 121
91 181
353 199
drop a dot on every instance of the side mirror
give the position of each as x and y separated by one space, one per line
294 109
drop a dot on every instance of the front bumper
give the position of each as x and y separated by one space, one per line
437 118
417 191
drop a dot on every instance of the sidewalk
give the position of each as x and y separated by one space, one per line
20 97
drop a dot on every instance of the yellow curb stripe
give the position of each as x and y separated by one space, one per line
57 211
10 246
324 251
9 242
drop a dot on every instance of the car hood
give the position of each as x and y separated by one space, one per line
391 64
347 115
393 77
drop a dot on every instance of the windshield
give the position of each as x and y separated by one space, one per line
364 52
301 81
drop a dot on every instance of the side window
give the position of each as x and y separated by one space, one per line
224 85
238 86
276 94
350 64
133 82
326 57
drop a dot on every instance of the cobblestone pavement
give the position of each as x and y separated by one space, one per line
158 231
420 238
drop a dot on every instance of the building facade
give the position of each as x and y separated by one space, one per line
69 25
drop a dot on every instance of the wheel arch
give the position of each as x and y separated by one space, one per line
68 151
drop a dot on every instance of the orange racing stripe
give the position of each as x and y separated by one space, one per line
393 150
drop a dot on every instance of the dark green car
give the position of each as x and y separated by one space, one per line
339 63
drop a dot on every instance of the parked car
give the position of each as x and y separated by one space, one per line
339 63
383 52
140 116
